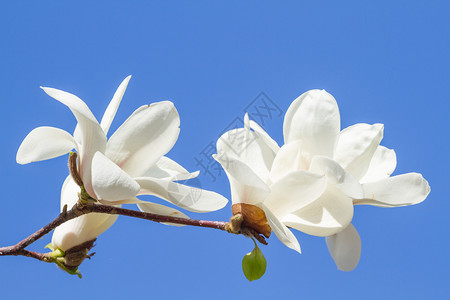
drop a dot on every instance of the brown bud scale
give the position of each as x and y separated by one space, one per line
76 255
254 217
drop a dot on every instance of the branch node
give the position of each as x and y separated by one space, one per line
76 255
64 210
234 226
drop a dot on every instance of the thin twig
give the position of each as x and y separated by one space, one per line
105 209
40 256
80 209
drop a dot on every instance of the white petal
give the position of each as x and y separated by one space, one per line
167 168
159 209
189 198
148 134
246 186
93 138
401 190
356 147
183 177
246 122
241 171
77 135
133 200
295 191
44 143
111 183
288 159
170 165
250 147
281 231
345 248
81 229
271 143
329 214
111 110
75 104
69 193
381 166
337 176
314 118
245 193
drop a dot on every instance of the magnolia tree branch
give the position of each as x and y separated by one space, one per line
85 206
81 208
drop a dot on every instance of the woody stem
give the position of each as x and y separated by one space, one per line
81 208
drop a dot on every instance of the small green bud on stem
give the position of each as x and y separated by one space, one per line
254 264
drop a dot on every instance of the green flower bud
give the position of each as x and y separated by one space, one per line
254 264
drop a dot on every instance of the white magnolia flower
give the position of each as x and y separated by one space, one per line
247 155
115 171
356 166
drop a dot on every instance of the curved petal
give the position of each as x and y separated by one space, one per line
345 248
248 146
381 166
295 191
241 171
271 143
75 104
401 190
313 118
337 176
170 165
246 186
183 177
189 198
69 193
288 159
133 200
82 229
93 138
329 214
159 209
109 182
281 231
168 168
44 143
255 158
356 147
148 134
111 110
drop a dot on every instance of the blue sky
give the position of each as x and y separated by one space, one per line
384 61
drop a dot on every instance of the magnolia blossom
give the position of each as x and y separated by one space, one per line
312 182
115 171
358 170
247 155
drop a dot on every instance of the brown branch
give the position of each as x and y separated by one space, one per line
105 209
80 209
63 217
40 256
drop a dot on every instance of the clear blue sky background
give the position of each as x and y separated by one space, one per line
384 61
